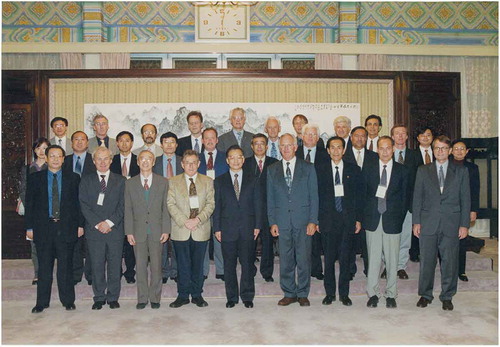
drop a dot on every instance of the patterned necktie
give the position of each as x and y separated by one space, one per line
441 178
288 177
103 184
124 167
274 151
299 141
60 142
56 212
427 157
260 165
308 156
146 185
238 138
170 169
400 158
338 199
359 161
78 166
192 192
382 204
210 164
196 146
236 187
371 145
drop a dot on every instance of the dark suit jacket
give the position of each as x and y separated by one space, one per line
352 201
159 169
371 158
474 185
112 207
392 219
37 207
420 160
412 162
220 164
185 143
228 139
116 166
237 219
320 158
88 166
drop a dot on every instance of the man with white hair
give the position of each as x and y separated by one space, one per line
342 128
273 128
236 136
101 139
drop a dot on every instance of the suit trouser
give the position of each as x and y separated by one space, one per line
415 247
81 265
316 247
168 268
379 242
295 254
359 242
128 255
190 255
47 252
448 247
404 243
462 255
267 253
245 251
151 248
218 259
106 262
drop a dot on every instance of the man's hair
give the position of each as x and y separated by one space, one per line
47 150
168 135
145 151
38 142
342 119
237 109
258 135
385 137
454 142
194 114
154 126
125 132
209 129
272 118
374 116
55 119
357 128
102 149
293 137
399 126
97 116
309 126
333 138
443 139
421 129
233 148
301 116
79 131
189 153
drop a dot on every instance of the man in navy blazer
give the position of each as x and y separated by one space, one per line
237 221
292 209
193 140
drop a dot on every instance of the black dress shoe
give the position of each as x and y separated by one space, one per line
141 305
205 277
463 277
37 309
130 280
35 281
447 305
113 304
384 274
155 305
423 302
199 301
345 300
352 277
248 304
319 276
89 282
414 259
175 279
179 302
373 301
230 304
97 305
328 299
164 280
390 303
402 274
269 279
220 277
70 307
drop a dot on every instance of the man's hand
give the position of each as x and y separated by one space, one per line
218 235
256 233
462 232
164 237
311 229
80 232
275 230
103 227
131 240
473 216
416 230
358 228
192 223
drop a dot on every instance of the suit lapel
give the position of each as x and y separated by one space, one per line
297 174
450 177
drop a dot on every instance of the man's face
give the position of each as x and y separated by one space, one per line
169 145
209 140
190 164
238 120
342 129
298 123
399 136
124 143
441 151
273 128
373 127
55 159
425 139
59 128
80 142
459 151
149 134
195 125
287 147
102 161
385 150
235 159
358 139
146 160
310 137
336 150
101 127
259 146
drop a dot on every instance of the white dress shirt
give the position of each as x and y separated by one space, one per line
150 180
313 153
361 153
388 169
375 140
340 165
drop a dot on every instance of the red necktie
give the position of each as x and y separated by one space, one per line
260 165
210 164
124 167
146 185
170 169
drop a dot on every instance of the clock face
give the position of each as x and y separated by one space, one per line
222 23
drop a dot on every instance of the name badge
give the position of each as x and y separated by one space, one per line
381 190
339 190
193 202
100 199
211 174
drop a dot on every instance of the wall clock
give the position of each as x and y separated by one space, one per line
226 22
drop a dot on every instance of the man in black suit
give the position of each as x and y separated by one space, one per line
342 128
102 202
373 124
125 164
54 222
257 165
192 141
340 213
385 187
312 152
237 222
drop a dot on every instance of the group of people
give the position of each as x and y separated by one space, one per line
159 207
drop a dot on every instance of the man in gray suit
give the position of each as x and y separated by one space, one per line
292 208
59 127
237 136
147 226
101 202
441 217
101 139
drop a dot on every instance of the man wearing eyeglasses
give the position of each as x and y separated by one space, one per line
441 217
101 127
148 133
59 127
236 136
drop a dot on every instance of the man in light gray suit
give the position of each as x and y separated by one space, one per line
147 226
237 136
101 139
292 208
441 217
59 127
101 202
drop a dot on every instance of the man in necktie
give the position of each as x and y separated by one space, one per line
101 139
340 213
298 121
292 209
273 128
102 203
147 226
236 136
373 124
149 133
193 140
424 138
59 127
342 127
190 203
441 217
385 187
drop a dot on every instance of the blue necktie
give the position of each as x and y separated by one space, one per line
288 177
78 166
274 152
239 138
338 199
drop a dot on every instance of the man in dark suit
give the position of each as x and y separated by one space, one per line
385 186
101 127
102 202
292 209
237 222
236 136
340 213
193 140
125 164
298 121
54 222
312 152
441 217
373 125
342 128
257 165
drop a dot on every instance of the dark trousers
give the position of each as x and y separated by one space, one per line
462 255
244 250
129 257
415 247
316 264
267 257
359 244
49 250
190 255
81 266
